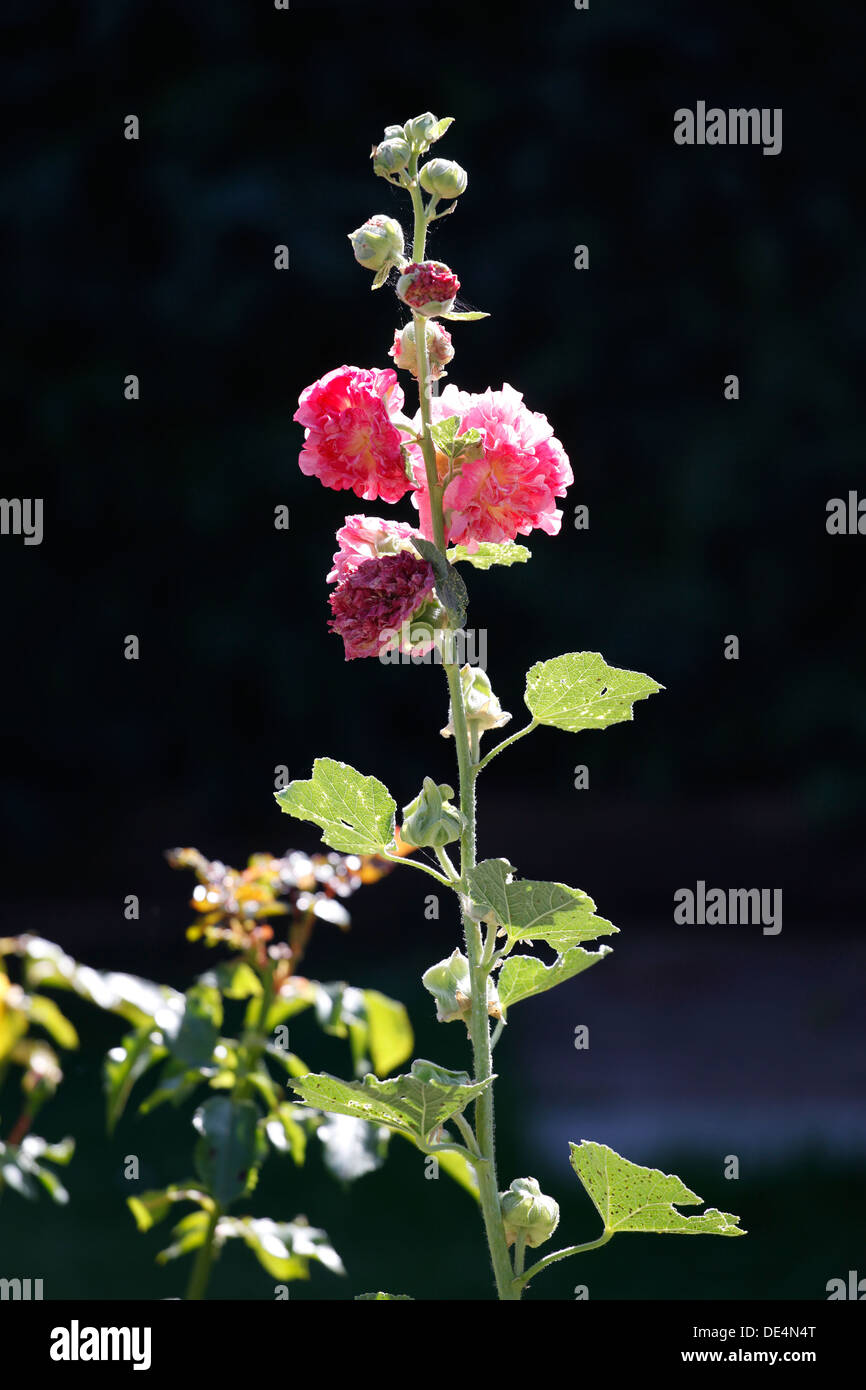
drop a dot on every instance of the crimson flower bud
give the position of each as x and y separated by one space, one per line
428 287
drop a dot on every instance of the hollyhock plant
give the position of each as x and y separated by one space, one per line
483 469
351 440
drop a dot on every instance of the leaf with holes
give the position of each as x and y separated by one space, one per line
533 910
490 553
415 1104
628 1197
355 813
580 691
523 976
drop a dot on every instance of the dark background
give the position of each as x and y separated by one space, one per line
707 518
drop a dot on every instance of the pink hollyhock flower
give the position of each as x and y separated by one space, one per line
428 287
367 538
510 489
370 606
351 440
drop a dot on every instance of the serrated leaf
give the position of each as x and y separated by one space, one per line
355 813
414 1104
352 1147
523 976
450 588
631 1198
462 315
580 691
490 553
534 910
227 1150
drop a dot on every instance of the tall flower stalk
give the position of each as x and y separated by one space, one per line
482 470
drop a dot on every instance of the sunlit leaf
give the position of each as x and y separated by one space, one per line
415 1104
355 813
523 976
490 553
631 1198
580 691
533 910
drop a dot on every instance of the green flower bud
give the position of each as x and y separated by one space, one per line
527 1212
390 157
430 820
422 131
483 710
450 984
444 178
394 132
378 243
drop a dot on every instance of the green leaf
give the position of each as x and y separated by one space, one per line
460 1170
384 1298
176 1084
449 440
199 1027
382 275
352 1147
21 1169
450 588
390 1038
227 1150
190 1234
438 130
533 910
415 1104
463 315
580 691
45 1012
149 1208
283 1248
630 1198
490 553
235 979
523 976
355 813
286 1133
138 1001
125 1064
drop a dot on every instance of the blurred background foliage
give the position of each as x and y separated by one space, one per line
706 518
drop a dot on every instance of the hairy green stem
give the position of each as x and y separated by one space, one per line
507 742
479 1022
523 1279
